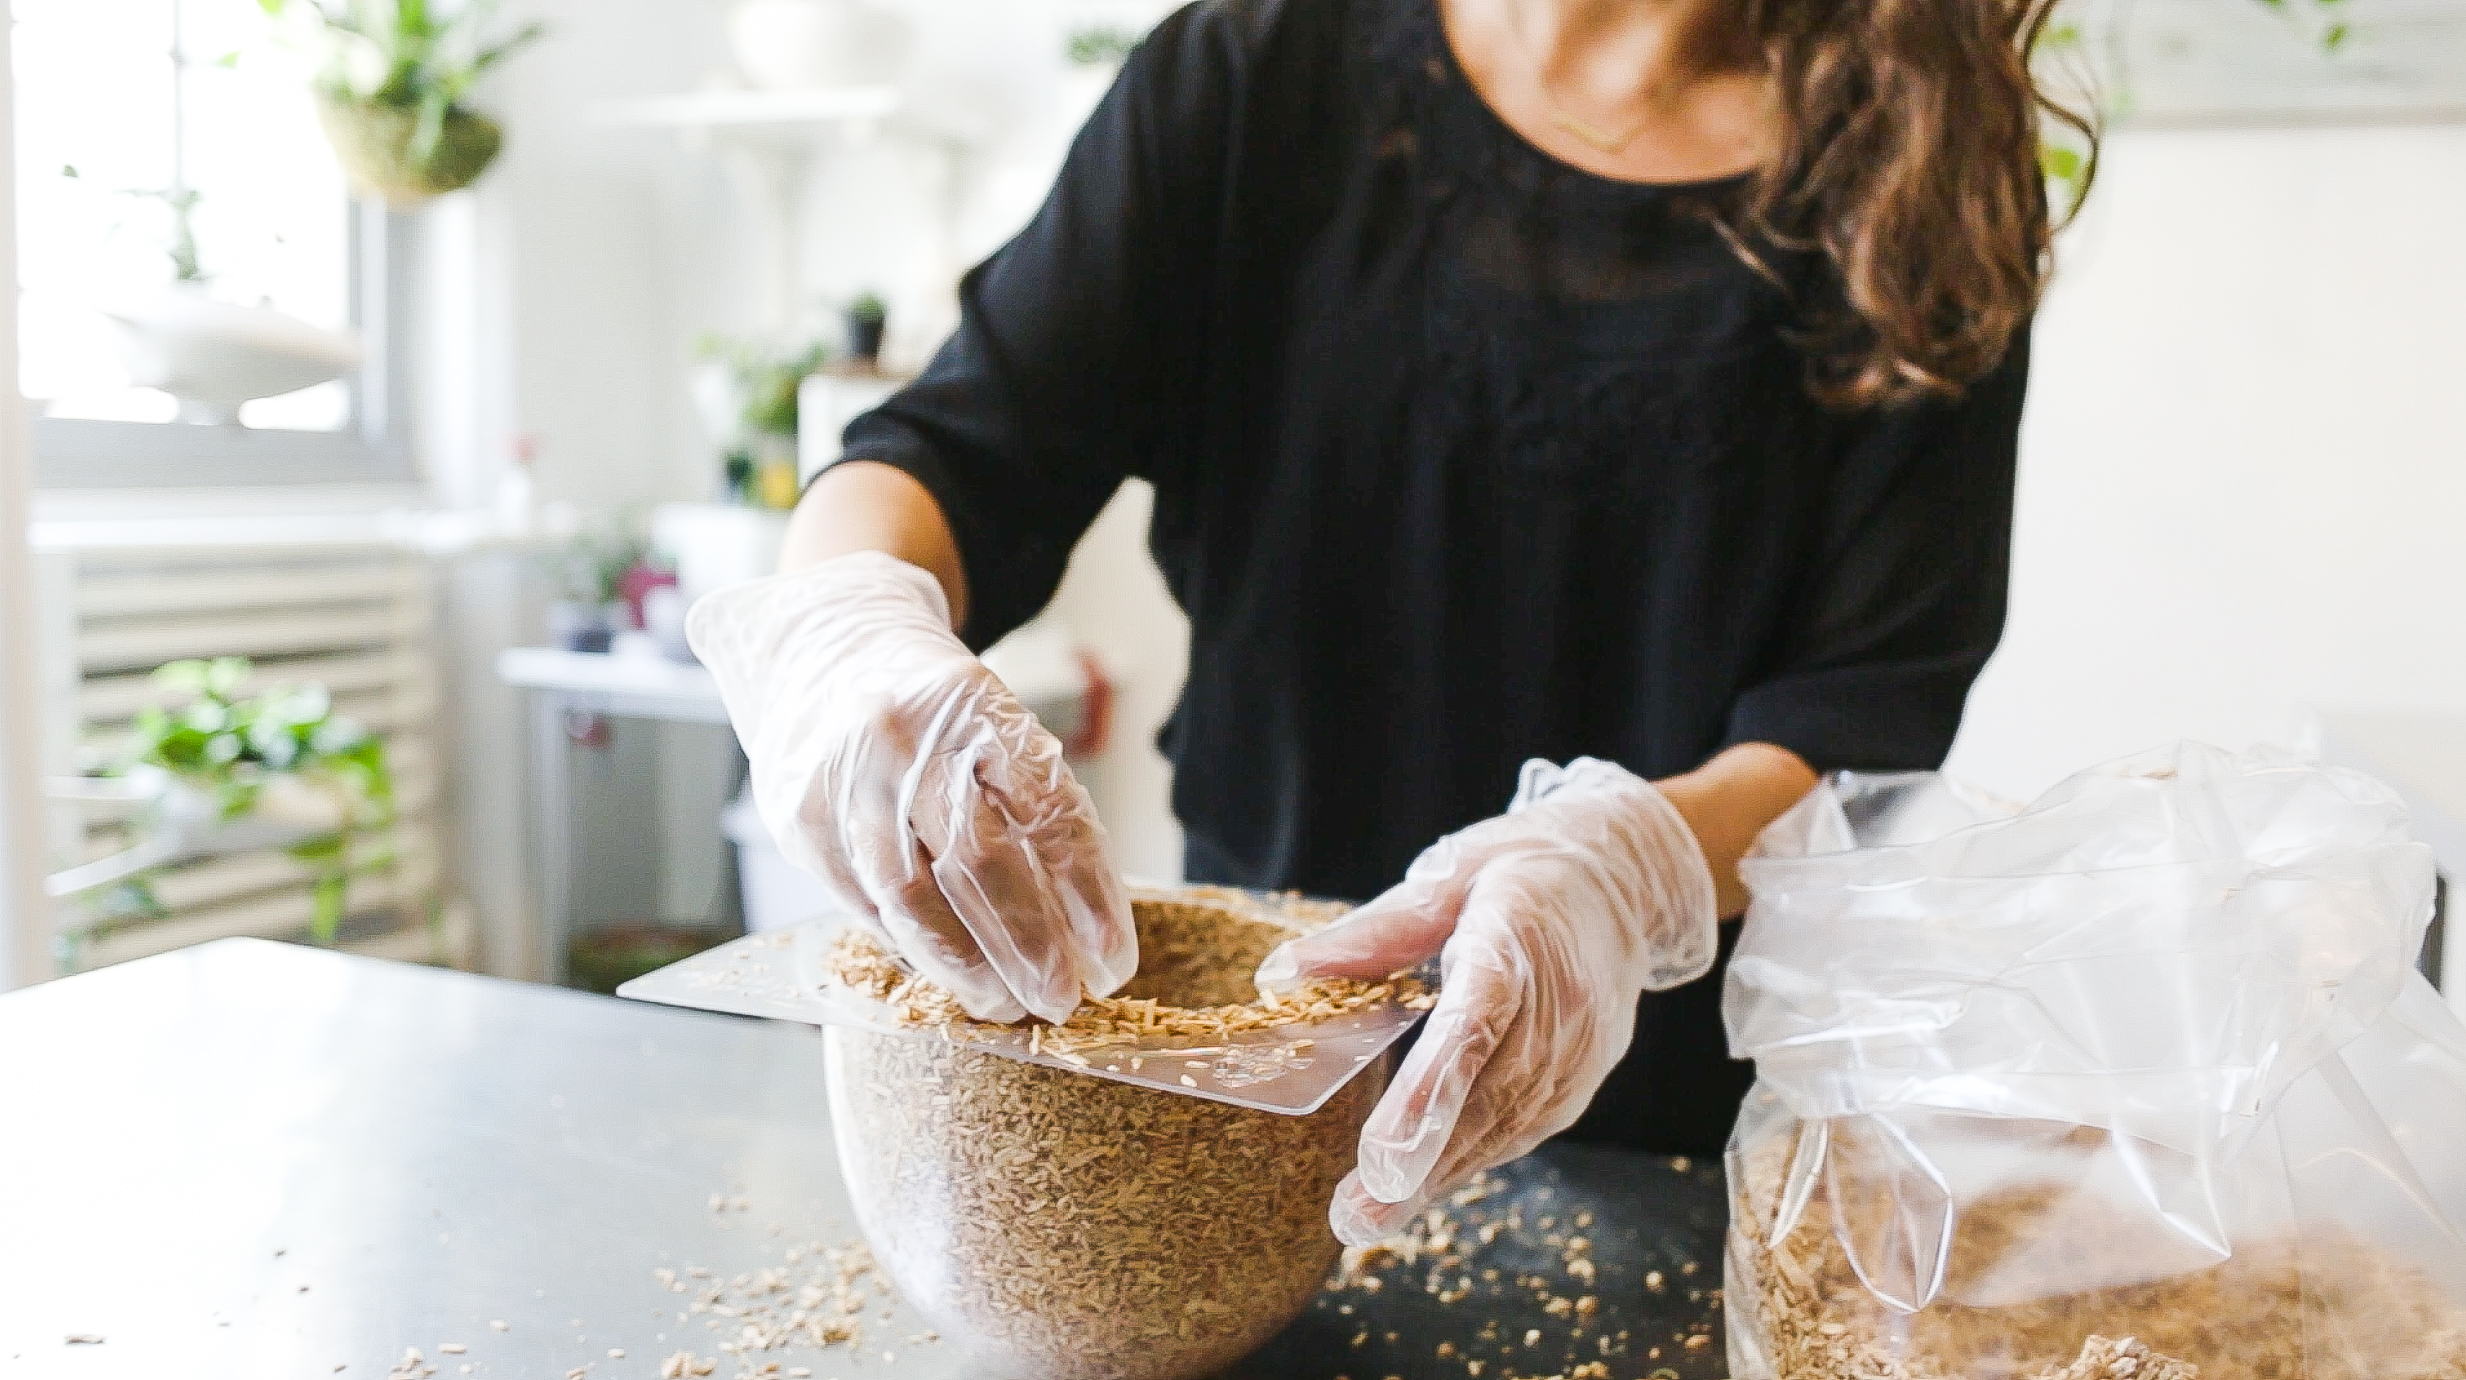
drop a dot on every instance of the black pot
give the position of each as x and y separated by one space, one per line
865 338
581 627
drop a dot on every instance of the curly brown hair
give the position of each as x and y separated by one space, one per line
1909 157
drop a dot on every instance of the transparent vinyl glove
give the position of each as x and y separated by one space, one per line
1548 921
889 762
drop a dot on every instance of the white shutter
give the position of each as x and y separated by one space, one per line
355 617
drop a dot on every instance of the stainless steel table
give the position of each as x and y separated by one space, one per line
251 1160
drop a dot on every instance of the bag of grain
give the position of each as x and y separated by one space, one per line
1059 1223
2139 1081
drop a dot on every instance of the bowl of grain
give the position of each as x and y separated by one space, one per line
1063 1226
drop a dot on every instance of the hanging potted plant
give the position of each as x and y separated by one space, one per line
391 78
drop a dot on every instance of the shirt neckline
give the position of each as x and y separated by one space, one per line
1463 99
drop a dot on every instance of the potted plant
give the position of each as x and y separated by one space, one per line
283 756
391 79
761 384
590 576
866 316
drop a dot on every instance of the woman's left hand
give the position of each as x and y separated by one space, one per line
1549 921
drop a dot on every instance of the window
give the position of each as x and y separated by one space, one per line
162 140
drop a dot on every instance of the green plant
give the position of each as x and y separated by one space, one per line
402 54
736 470
868 309
2070 162
591 569
181 202
212 739
766 379
2327 18
1100 45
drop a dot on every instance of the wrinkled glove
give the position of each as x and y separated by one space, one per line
1549 921
889 762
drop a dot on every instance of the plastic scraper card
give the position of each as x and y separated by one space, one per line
1290 1069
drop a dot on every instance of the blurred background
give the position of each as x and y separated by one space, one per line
398 388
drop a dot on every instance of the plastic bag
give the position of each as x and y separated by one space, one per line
2138 1079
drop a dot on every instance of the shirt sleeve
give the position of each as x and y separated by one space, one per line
1077 341
1904 600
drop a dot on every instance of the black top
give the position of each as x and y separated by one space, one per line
1461 456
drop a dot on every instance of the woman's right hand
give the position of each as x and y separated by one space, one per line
888 761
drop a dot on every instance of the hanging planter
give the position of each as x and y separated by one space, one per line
379 148
391 79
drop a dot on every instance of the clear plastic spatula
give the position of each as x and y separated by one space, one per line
1289 1069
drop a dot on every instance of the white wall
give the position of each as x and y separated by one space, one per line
586 276
602 252
2243 484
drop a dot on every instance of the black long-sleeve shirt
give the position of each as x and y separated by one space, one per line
1461 456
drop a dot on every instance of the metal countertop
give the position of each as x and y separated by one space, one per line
254 1160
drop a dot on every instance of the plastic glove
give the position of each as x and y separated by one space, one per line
889 762
1553 917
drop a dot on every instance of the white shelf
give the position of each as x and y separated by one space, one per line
802 108
770 140
650 687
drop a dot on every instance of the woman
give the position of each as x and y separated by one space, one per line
1631 380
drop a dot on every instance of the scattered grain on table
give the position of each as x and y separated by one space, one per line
1453 1253
814 1296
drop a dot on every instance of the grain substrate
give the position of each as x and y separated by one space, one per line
1069 1227
2348 1311
1198 947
